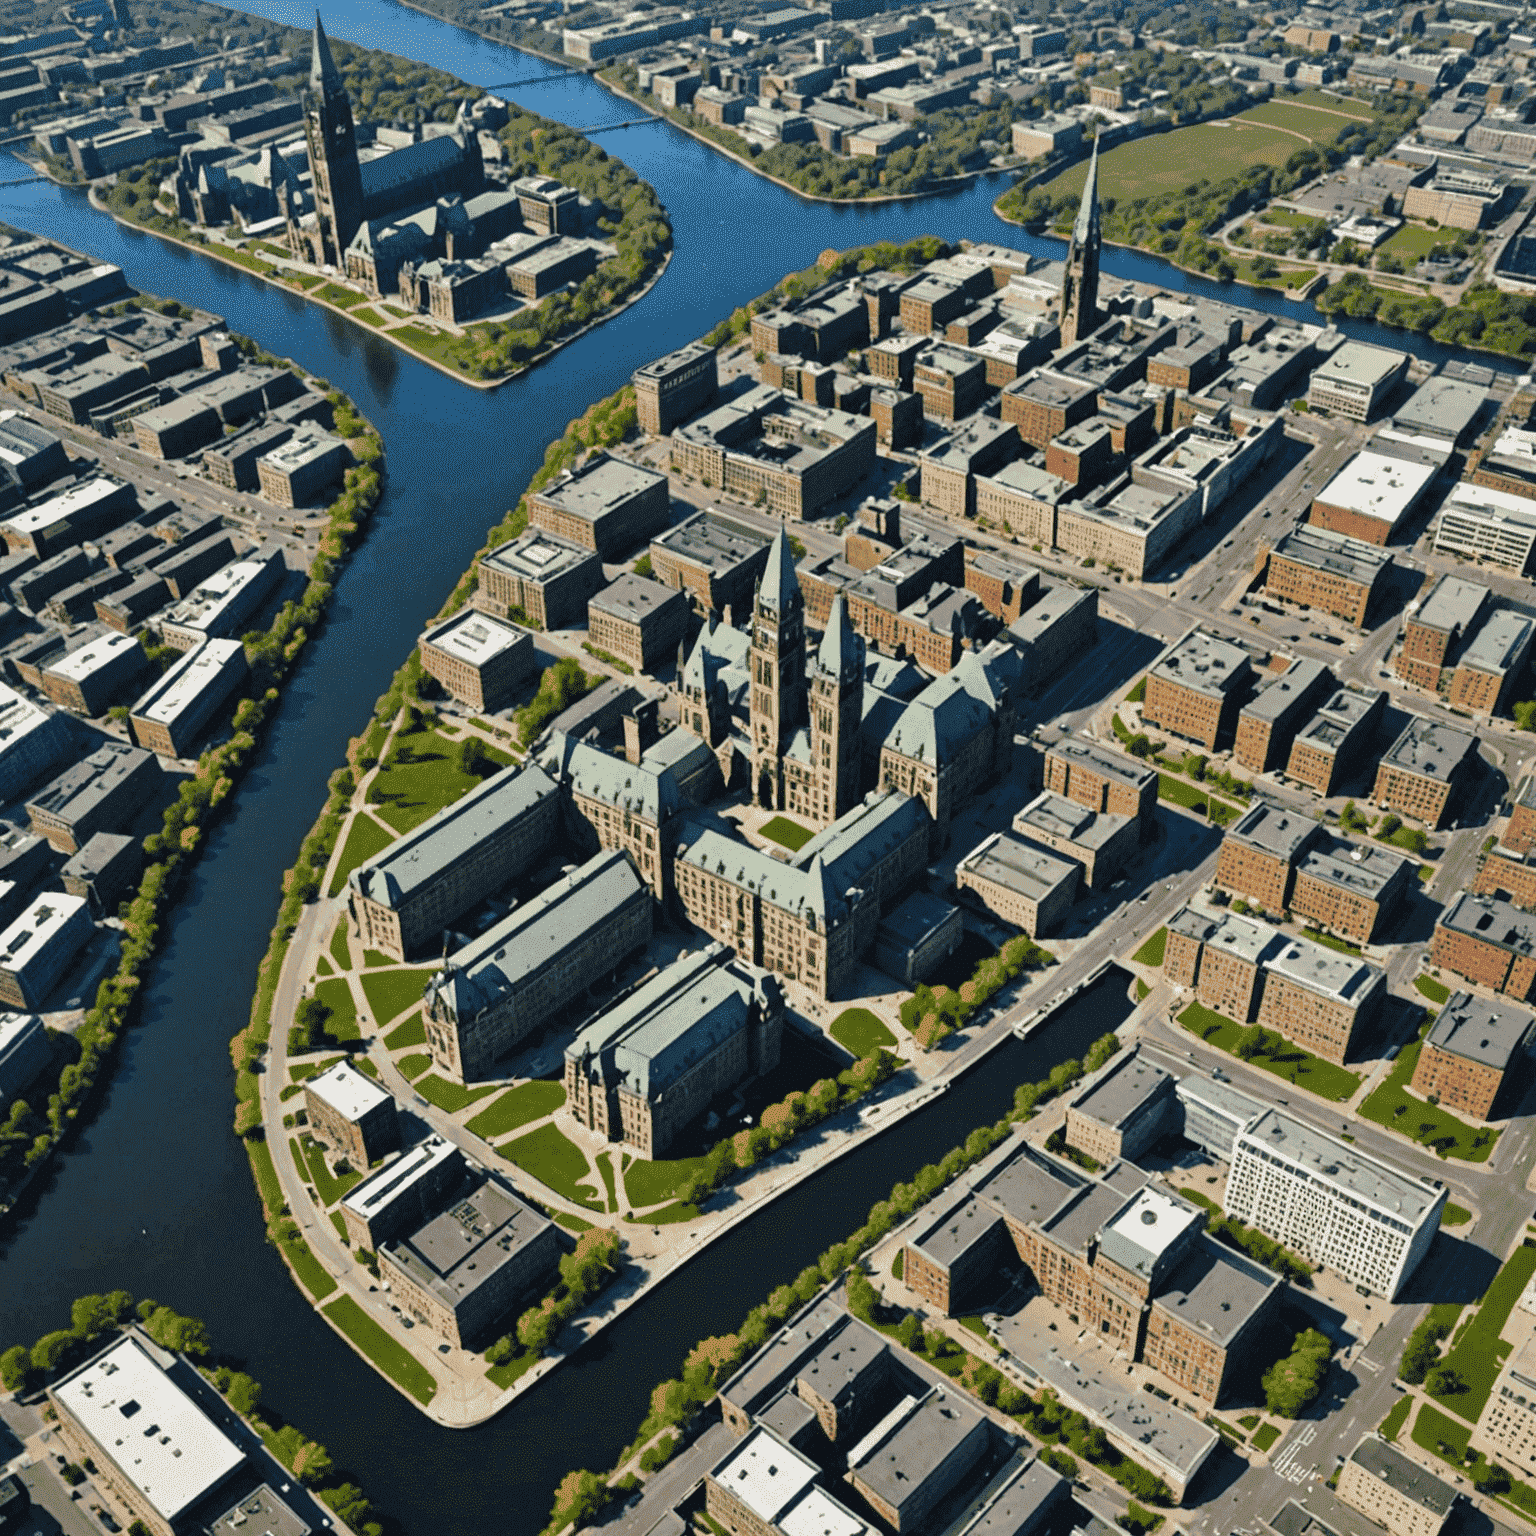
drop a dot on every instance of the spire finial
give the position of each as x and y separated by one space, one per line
323 74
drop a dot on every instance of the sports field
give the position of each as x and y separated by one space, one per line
1268 134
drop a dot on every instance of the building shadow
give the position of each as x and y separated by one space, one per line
1414 921
1456 1270
1401 586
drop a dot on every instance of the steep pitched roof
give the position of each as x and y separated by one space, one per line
841 653
323 74
780 588
1087 226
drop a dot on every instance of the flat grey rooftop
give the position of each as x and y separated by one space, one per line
537 556
1052 815
969 1221
1124 1088
1295 683
1088 1212
1205 663
1222 1096
1388 1464
1500 644
1334 554
1243 938
1431 750
1216 1291
916 1445
711 541
1491 920
1100 760
600 486
1481 1030
1020 867
1317 967
1452 604
1271 829
1330 1161
1031 1186
633 599
1013 1501
1359 868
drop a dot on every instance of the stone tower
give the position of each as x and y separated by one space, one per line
777 661
837 708
1080 284
333 163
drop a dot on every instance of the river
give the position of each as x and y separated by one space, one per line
155 1195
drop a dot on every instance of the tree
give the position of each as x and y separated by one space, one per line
862 1296
1446 1382
51 1351
536 1329
1525 715
309 1021
170 1330
1250 1043
92 1316
909 1332
15 1368
244 1394
474 760
1293 1383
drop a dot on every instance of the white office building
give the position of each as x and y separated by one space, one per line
1480 523
1331 1203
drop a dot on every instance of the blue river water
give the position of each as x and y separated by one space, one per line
154 1194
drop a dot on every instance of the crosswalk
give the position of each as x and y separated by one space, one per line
1293 1464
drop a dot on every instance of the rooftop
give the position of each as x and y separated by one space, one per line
710 540
1363 869
764 1474
1376 486
1152 1224
1319 968
1021 867
1452 604
912 1443
1054 816
1406 1477
396 1179
1334 554
207 665
1216 1290
1326 1160
1482 1030
1205 663
1273 830
634 598
475 637
1356 364
1500 644
1492 920
537 556
1117 1094
351 1094
1431 750
1298 681
1103 762
600 486
1030 1186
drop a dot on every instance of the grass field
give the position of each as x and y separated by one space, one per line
554 1159
605 1168
365 838
1350 106
786 833
313 1275
651 1183
329 1188
1167 162
677 1211
339 951
1392 1425
421 776
391 1357
516 1107
342 298
1393 1106
1151 953
411 1067
1432 1429
1285 218
1413 241
337 996
449 1097
1437 992
1332 941
412 1032
504 1375
1293 1064
1265 1436
390 993
860 1031
1455 1216
1478 1352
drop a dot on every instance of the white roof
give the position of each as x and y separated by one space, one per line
347 1091
819 1514
1483 500
90 658
765 1475
203 667
1377 486
474 637
83 494
163 1443
37 927
1154 1220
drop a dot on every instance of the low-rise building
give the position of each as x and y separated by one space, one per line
1506 1428
222 606
103 870
352 1115
495 991
32 741
88 508
103 792
539 578
1103 780
37 949
479 660
1352 889
24 1053
950 468
299 471
403 1193
1483 524
1332 1203
1394 1491
402 900
1356 380
917 935
1320 998
607 505
1122 1110
673 388
467 1267
918 1454
1435 632
1055 632
1315 567
1474 1047
1019 882
169 1478
1423 768
90 680
1102 842
1197 688
170 716
1372 497
1337 738
1489 942
641 1071
1268 724
1213 1113
1261 850
1492 663
639 621
715 561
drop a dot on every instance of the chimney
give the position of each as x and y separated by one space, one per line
640 729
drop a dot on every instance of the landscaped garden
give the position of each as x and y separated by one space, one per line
1271 1053
1392 1105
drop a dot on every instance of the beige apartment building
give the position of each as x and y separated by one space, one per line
1389 1488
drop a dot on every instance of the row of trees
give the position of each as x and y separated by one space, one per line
933 1014
583 1273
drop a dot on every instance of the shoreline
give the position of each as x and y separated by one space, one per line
487 385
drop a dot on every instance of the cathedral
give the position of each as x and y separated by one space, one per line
1080 281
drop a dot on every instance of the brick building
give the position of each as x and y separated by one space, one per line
606 504
1434 634
1371 497
1508 874
1356 380
1337 738
1489 942
1268 724
1100 841
951 383
1395 1491
1423 768
1091 775
1260 853
352 1115
1122 1110
1197 689
639 621
1492 663
1474 1048
1520 833
540 578
1315 567
671 389
1352 889
713 560
479 660
1043 404
950 467
1020 882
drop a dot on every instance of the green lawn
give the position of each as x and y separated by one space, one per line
323 967
329 1188
572 1223
268 1184
860 1031
1166 162
342 298
554 1159
373 957
365 839
1332 941
312 1068
677 1211
411 1067
1432 1429
651 1183
1478 1353
605 1168
516 1107
367 316
450 1097
390 993
336 994
421 776
786 833
1293 1064
1394 1421
1437 992
1286 218
412 1032
1413 242
1455 1216
1320 126
1393 1106
504 1375
391 1357
1265 1436
313 1275
1151 952
339 951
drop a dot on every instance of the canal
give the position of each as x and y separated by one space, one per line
155 1195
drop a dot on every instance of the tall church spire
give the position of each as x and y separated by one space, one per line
334 169
323 74
1080 283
